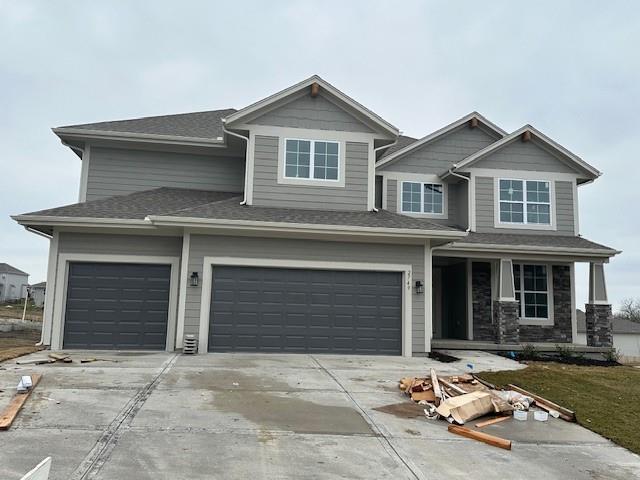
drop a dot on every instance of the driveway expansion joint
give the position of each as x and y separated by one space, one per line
100 453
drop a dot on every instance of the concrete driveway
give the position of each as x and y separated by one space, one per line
167 416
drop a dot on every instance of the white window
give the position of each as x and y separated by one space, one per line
532 287
312 159
422 197
525 202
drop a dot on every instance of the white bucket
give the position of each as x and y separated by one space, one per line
540 416
520 415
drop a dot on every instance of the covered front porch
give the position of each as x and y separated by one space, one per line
503 302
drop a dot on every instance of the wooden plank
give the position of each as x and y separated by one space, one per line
491 421
434 383
11 412
565 413
453 387
481 437
483 382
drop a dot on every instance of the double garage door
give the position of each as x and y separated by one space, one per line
125 306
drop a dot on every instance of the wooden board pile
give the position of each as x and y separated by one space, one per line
60 358
461 398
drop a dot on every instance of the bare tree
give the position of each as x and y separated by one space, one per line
630 309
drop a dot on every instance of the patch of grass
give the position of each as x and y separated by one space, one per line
18 343
606 399
14 310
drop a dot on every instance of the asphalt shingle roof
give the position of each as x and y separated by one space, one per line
528 240
403 141
6 268
619 325
206 125
184 203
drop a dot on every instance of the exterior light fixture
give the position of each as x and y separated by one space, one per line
419 286
194 279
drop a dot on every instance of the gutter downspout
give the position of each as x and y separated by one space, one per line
246 159
375 150
29 229
469 199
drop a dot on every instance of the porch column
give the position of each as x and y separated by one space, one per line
506 310
598 312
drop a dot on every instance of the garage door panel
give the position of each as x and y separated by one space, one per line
297 310
117 306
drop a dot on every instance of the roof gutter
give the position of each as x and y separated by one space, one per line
528 249
37 232
73 147
246 158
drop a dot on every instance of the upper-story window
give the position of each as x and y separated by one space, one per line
422 197
312 159
525 202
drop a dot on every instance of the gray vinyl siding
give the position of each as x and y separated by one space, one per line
108 244
438 156
520 155
485 205
312 113
115 171
462 203
309 250
455 215
267 192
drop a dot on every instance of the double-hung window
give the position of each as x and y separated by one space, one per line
525 202
422 197
312 159
532 290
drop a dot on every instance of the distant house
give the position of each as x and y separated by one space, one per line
13 283
38 292
626 336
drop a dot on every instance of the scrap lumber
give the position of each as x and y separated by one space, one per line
565 413
451 386
58 356
484 382
35 361
491 421
426 395
434 383
11 412
481 437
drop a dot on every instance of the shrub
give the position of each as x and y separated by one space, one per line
529 352
612 355
564 352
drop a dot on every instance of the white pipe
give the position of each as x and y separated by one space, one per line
469 199
246 159
375 150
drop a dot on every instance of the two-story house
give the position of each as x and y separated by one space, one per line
306 223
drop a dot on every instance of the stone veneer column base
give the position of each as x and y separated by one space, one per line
599 319
506 316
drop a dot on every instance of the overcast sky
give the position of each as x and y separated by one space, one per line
571 69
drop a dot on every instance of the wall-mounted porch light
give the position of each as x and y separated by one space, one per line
419 286
194 279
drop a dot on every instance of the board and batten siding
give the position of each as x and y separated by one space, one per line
455 214
309 250
113 244
528 156
312 113
485 209
267 192
438 156
114 171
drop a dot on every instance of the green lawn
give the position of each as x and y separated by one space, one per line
605 399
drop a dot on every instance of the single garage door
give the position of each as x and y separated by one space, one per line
117 306
295 310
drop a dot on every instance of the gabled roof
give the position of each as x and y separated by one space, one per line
563 154
6 268
251 110
39 285
394 155
203 126
402 142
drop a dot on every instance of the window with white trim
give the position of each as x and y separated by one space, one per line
525 202
532 290
311 159
422 197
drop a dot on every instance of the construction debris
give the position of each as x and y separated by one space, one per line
11 412
462 398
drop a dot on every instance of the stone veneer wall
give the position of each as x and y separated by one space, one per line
483 327
599 319
506 315
560 331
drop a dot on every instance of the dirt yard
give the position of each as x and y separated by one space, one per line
17 343
14 310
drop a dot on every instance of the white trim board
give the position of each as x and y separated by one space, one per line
209 263
62 276
184 284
